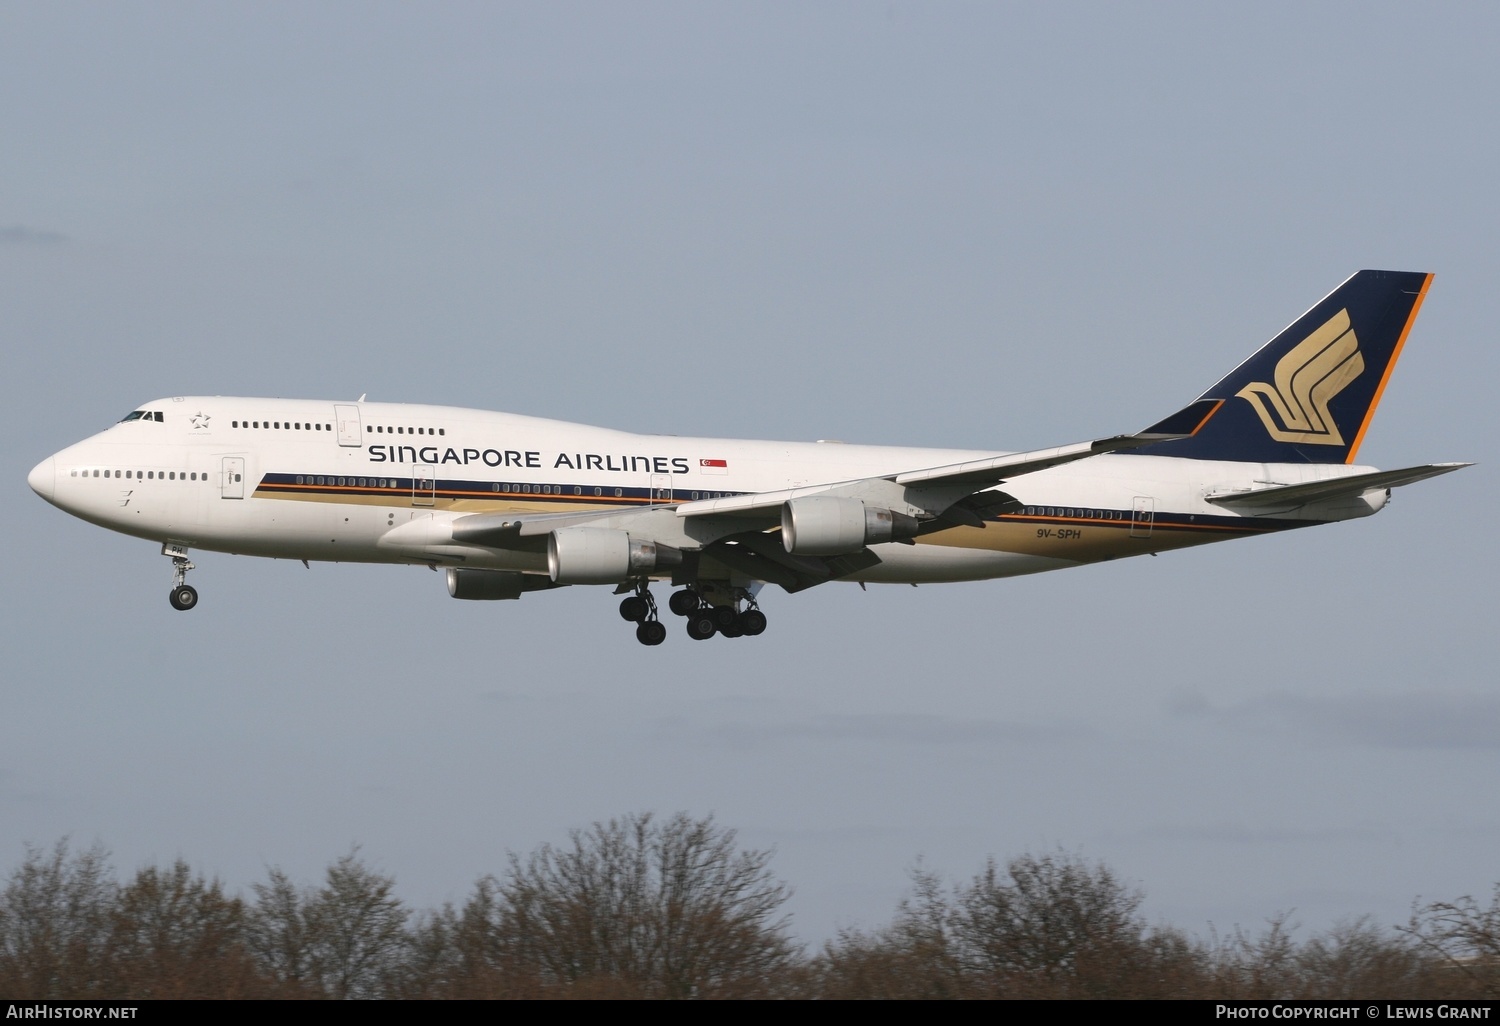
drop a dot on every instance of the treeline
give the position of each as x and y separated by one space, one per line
642 907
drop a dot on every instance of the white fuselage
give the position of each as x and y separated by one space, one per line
321 480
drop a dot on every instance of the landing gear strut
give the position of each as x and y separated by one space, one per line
183 595
640 608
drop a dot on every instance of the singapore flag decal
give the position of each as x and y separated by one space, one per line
713 466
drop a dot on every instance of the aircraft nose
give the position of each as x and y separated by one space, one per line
43 478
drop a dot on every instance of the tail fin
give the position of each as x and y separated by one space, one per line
1308 395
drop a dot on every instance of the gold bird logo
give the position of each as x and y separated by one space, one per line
1308 377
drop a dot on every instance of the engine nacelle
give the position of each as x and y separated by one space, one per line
600 555
828 525
485 584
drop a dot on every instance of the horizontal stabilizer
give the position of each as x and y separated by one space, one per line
1335 488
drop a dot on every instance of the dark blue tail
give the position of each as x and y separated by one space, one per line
1308 395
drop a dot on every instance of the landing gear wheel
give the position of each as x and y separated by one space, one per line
183 597
724 616
652 632
701 626
634 608
734 630
684 602
752 622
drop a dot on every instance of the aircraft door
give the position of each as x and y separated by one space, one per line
423 485
347 419
232 484
1142 516
661 488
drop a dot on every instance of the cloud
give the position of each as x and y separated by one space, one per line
1441 720
1238 833
920 729
20 235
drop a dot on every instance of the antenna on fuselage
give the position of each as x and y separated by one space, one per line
361 397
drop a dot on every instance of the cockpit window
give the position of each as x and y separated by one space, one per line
143 415
136 415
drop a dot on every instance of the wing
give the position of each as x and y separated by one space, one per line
740 531
942 486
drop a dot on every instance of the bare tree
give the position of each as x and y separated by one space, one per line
174 934
277 931
1465 936
1051 925
911 959
54 923
637 906
346 939
358 929
1041 926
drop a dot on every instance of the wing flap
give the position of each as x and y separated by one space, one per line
761 556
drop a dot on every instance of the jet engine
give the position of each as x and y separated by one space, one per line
828 525
601 555
485 584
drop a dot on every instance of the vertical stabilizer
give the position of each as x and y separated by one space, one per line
1308 395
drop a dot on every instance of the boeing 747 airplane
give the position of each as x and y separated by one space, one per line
508 504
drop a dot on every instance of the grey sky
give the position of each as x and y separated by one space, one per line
936 224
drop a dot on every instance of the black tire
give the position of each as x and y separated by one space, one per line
724 616
752 622
633 608
652 632
734 630
701 627
183 598
683 603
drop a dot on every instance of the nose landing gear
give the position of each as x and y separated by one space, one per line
183 596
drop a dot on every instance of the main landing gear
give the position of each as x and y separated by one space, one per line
705 619
183 595
640 609
733 613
